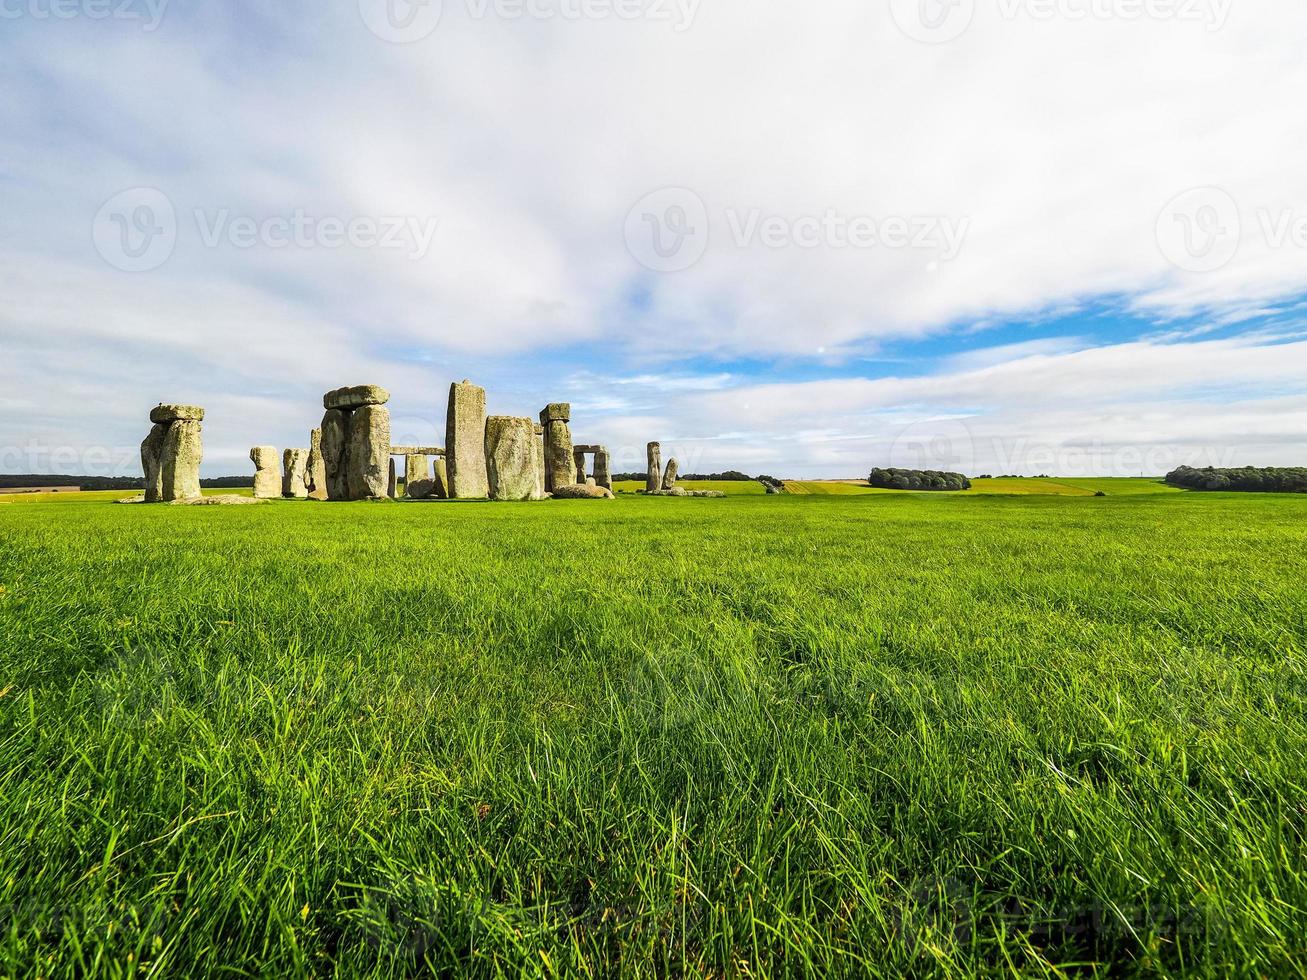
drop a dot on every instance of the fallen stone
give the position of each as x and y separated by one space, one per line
176 413
335 453
183 450
465 442
294 467
359 396
267 478
368 453
218 500
576 491
510 458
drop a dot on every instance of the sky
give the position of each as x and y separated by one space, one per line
996 236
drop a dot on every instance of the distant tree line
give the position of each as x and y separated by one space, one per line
728 476
896 479
8 481
1249 479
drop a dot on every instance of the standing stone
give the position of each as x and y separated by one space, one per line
368 452
510 458
392 481
267 481
418 484
183 449
653 481
294 466
315 477
335 453
579 457
670 474
465 442
152 462
603 474
538 446
560 463
439 479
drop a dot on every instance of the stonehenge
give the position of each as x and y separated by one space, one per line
171 453
654 475
465 450
356 442
350 455
511 458
294 467
267 477
560 464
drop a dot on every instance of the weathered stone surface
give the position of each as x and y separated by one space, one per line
510 458
560 464
670 474
392 480
576 491
294 468
556 412
152 462
603 469
183 450
348 399
267 477
465 442
315 476
538 448
368 456
335 453
578 456
439 479
176 413
418 484
217 500
653 481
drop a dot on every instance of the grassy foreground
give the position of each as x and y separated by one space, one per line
884 734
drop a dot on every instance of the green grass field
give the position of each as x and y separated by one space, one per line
864 735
